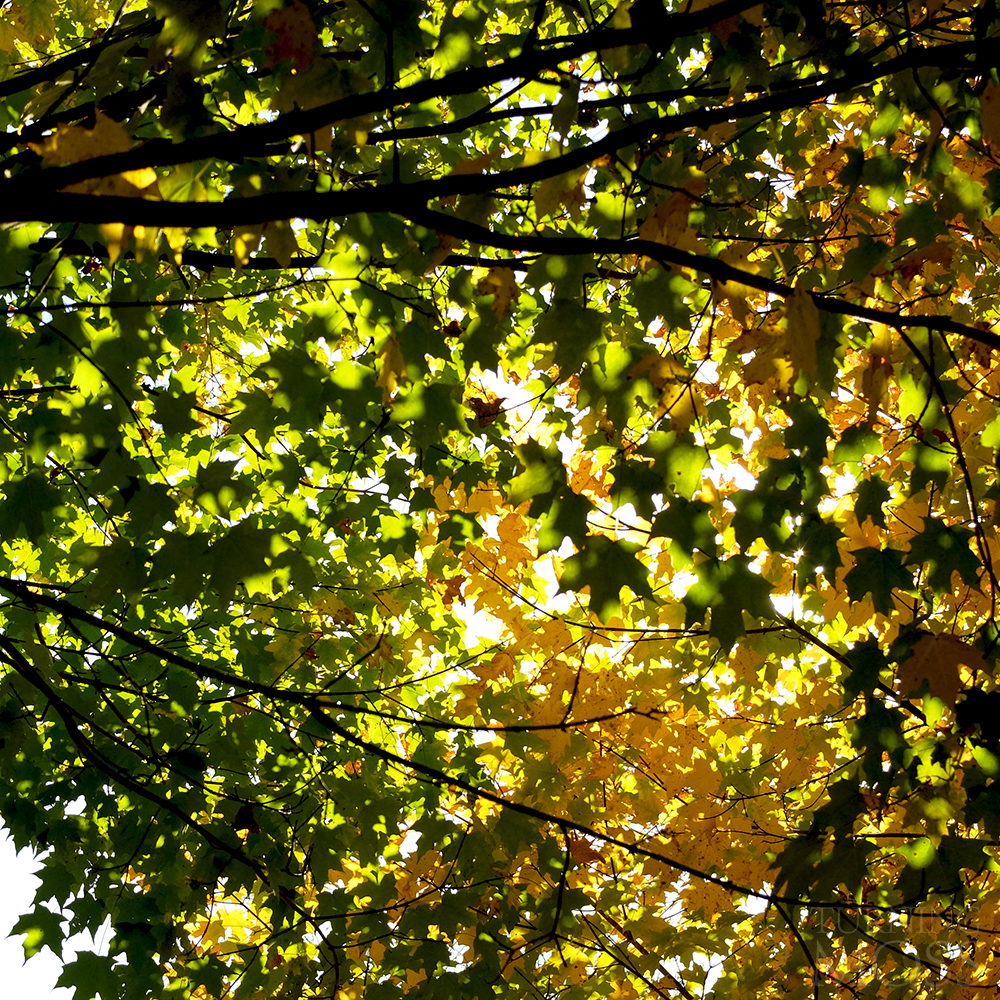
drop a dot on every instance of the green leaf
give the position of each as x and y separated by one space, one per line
677 459
565 516
856 442
458 529
573 330
26 506
218 489
929 869
931 466
43 929
872 495
727 588
879 732
878 572
944 550
243 557
91 975
659 292
808 432
635 483
920 223
687 524
866 662
860 261
543 471
605 566
173 410
820 551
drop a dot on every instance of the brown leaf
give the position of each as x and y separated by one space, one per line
486 410
296 33
989 114
937 659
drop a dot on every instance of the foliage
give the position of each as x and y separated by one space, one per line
501 499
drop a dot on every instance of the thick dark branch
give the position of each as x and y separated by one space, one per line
118 105
710 266
252 140
249 140
404 200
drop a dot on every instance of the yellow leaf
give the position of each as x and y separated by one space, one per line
146 241
176 237
670 220
501 665
736 255
279 238
768 367
802 332
658 369
561 190
446 244
392 367
502 285
683 404
246 239
75 143
473 165
115 236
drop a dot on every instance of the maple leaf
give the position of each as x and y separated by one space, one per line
866 661
37 20
872 495
688 527
563 190
26 503
240 517
989 113
391 369
878 572
937 661
279 238
563 514
75 143
944 550
939 869
500 282
803 331
486 410
820 551
668 223
296 31
543 470
727 588
605 565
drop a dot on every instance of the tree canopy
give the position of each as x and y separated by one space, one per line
500 499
